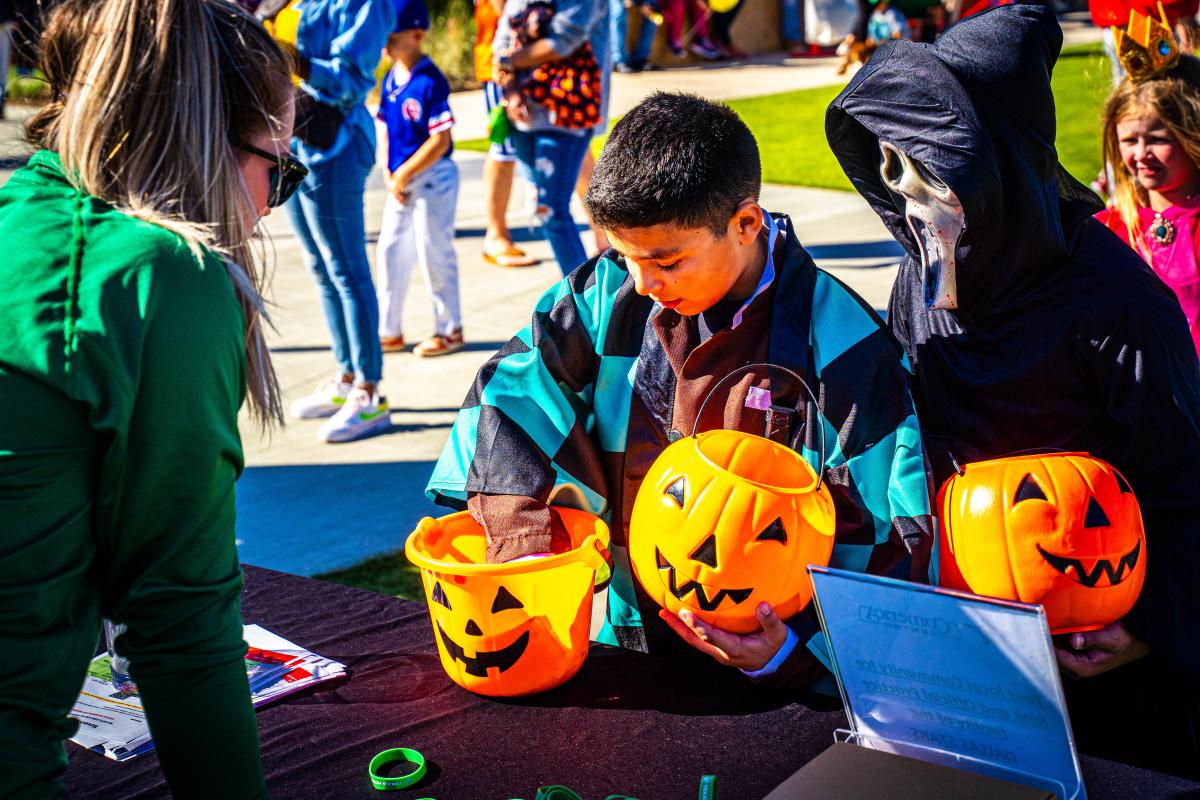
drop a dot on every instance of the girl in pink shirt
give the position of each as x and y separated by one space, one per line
1152 140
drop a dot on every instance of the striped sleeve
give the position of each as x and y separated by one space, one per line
525 427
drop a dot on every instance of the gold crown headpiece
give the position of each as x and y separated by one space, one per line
1147 48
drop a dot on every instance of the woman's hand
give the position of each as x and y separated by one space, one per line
1093 652
515 104
749 651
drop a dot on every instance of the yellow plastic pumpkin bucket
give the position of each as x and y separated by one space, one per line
514 628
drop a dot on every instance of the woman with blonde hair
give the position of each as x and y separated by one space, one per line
1152 140
132 318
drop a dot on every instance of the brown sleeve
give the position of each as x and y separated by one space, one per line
516 526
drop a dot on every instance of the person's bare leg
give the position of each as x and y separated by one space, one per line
497 186
581 186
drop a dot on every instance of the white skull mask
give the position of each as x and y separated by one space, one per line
935 217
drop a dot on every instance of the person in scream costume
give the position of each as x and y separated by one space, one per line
619 355
1030 325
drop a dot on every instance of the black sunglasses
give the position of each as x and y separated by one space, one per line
286 176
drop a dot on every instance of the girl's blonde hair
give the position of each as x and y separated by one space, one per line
150 100
1174 97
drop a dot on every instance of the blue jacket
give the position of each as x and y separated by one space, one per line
342 40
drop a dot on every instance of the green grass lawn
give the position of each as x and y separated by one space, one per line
387 574
790 127
33 89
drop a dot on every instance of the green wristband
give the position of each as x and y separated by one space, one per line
399 781
556 793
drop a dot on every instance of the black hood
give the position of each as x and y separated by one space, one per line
977 109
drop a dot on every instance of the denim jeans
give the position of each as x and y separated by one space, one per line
327 214
618 25
554 157
789 22
420 232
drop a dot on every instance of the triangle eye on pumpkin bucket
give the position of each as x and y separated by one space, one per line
1063 530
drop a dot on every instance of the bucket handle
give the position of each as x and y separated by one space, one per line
807 390
1028 451
599 559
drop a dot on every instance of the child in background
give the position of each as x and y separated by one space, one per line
696 38
886 22
422 183
1152 139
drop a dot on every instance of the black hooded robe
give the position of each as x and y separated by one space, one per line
1063 337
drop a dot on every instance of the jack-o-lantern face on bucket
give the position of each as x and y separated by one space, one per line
487 637
515 628
501 656
726 520
1061 529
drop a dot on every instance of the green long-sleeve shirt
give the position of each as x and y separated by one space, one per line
121 374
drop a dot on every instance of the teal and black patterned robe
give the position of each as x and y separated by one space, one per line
583 399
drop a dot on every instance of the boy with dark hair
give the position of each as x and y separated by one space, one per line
700 282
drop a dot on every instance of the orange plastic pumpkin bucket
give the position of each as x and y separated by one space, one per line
725 520
1060 529
514 628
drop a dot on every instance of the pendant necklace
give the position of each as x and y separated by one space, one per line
1162 230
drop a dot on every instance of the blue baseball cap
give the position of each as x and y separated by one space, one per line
410 14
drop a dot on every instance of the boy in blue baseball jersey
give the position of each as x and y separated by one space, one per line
422 182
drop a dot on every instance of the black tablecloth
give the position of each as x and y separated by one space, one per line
629 723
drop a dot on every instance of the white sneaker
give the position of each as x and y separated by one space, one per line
325 400
361 415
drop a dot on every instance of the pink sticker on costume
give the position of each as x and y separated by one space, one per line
412 109
758 398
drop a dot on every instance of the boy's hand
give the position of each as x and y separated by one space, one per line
398 186
749 651
1093 652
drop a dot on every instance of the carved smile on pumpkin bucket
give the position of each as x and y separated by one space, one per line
1073 567
478 666
666 571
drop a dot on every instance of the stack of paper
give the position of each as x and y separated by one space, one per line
112 722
